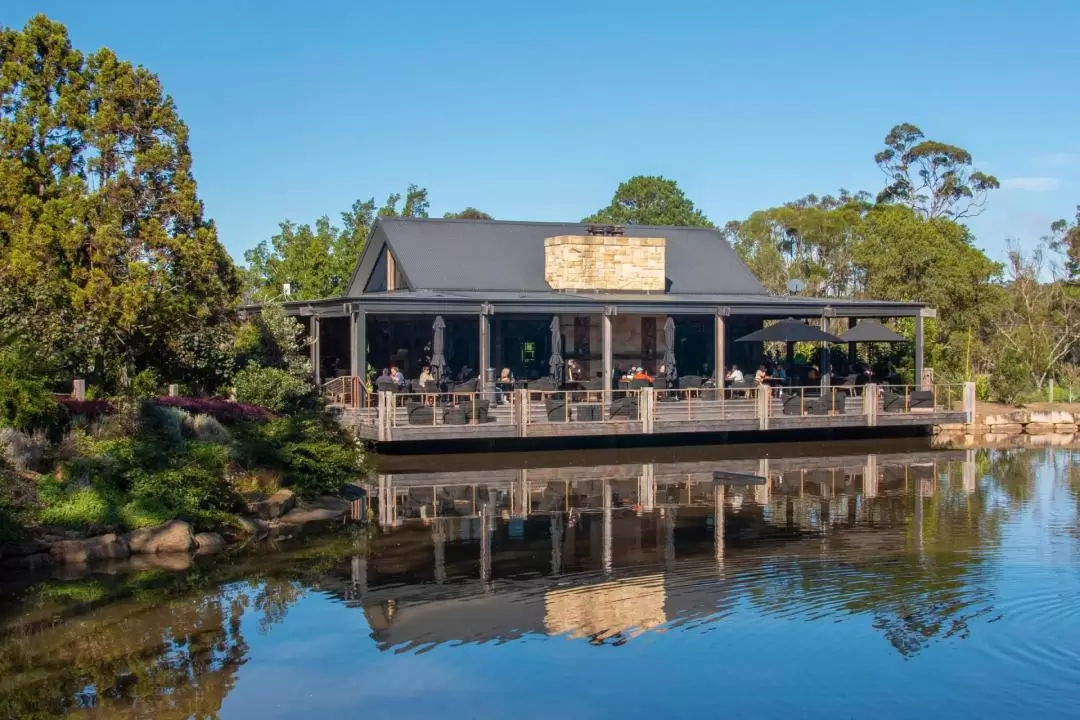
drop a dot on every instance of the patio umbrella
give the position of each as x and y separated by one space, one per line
669 346
555 362
790 330
869 331
438 362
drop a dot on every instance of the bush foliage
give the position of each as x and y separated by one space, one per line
273 388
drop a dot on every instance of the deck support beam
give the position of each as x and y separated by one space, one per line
485 350
313 338
358 343
606 333
721 346
919 351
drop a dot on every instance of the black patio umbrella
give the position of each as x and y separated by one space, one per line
788 331
438 361
555 362
869 331
669 346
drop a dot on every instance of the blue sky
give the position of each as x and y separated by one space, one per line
536 111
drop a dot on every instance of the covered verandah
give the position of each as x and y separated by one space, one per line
603 333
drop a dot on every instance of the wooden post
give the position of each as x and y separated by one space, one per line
647 408
869 399
853 355
721 349
78 389
313 335
826 360
762 405
969 403
870 477
485 349
358 338
174 390
606 331
919 343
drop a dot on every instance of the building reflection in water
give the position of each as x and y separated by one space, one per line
609 552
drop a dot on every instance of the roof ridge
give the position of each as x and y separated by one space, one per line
552 223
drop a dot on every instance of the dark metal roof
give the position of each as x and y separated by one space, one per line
871 331
509 256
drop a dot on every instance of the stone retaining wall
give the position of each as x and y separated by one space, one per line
1015 428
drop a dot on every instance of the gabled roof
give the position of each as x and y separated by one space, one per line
509 256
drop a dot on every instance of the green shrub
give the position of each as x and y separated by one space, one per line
192 487
145 384
271 388
25 403
85 508
206 428
982 387
319 457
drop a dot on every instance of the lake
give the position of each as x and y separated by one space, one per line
828 580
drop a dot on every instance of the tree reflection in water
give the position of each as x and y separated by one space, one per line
920 559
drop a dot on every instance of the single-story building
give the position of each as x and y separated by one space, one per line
500 288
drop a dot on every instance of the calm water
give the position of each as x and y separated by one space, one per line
884 581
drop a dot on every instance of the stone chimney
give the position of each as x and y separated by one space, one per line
604 262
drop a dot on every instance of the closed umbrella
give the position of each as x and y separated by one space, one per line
555 362
669 346
438 361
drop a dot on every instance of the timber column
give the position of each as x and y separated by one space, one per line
721 345
919 349
358 357
313 336
605 327
485 348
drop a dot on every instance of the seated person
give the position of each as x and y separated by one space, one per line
814 375
397 376
760 375
573 371
779 373
640 374
735 376
506 377
426 376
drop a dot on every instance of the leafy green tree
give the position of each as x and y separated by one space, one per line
650 200
317 261
1065 238
109 260
931 177
1041 322
469 213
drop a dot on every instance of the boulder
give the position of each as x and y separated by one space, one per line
322 509
274 506
949 428
1039 428
103 547
1005 439
172 537
1066 429
1007 418
1051 440
1007 429
252 526
1051 417
207 543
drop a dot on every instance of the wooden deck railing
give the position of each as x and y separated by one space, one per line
524 413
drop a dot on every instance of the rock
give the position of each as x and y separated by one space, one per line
1009 418
1066 429
206 543
949 428
1051 417
174 562
1007 429
1051 440
322 509
274 506
23 548
171 537
1004 439
103 547
252 526
1039 428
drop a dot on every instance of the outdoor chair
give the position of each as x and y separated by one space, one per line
624 409
420 414
385 384
456 415
921 400
639 384
589 412
469 386
477 410
557 409
793 405
691 382
893 402
827 405
741 389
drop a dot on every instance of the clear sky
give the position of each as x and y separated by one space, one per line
537 110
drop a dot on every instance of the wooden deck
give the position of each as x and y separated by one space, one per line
404 418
